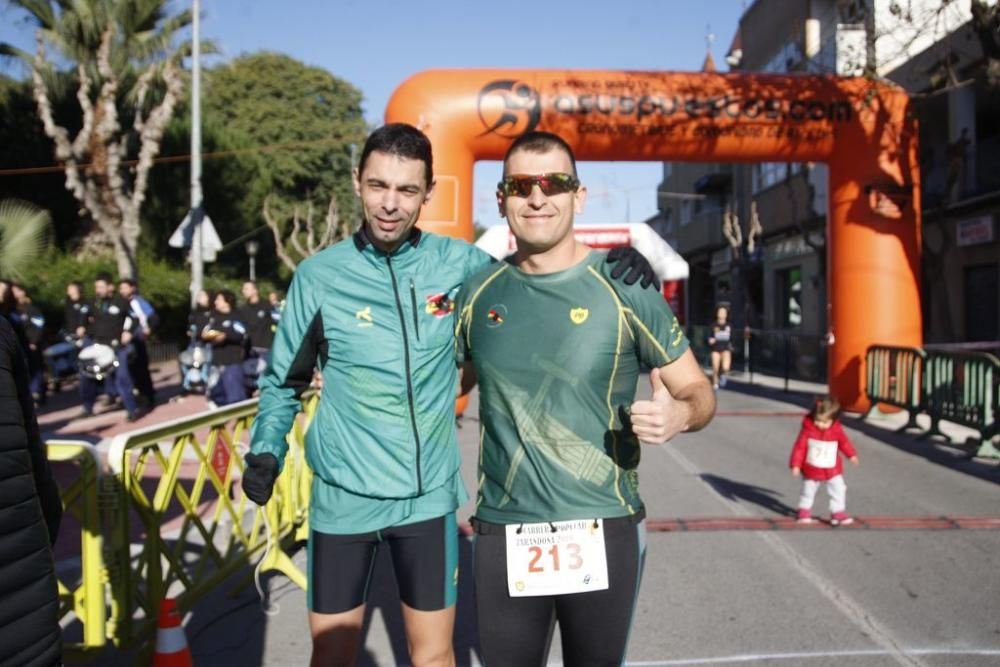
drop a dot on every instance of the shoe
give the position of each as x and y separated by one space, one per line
211 405
715 387
841 519
805 516
131 417
722 381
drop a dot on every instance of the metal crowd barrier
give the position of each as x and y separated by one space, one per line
894 376
174 520
961 387
958 387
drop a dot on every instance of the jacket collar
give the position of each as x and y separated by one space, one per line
361 239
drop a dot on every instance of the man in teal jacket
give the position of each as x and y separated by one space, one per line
375 313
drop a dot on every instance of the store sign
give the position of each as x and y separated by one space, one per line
795 246
974 231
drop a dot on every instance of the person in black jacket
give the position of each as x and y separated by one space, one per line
34 330
76 310
110 324
30 511
228 337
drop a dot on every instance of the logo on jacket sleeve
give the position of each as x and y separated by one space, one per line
578 315
364 317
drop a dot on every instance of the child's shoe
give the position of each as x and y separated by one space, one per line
841 519
805 516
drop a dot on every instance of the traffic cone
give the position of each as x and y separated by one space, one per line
171 644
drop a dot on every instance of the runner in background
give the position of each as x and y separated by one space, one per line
720 342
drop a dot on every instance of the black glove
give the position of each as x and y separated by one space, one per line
259 476
631 260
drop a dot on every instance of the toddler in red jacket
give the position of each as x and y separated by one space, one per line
816 456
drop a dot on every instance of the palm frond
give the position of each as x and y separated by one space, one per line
24 233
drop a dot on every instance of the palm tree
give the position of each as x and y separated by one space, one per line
24 230
127 64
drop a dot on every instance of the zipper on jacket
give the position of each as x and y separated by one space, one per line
413 301
406 365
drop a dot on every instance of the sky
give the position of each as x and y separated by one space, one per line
377 44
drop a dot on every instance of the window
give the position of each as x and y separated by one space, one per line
789 283
766 174
788 58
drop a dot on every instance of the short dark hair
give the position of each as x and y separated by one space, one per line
539 142
105 276
228 296
127 281
75 283
403 141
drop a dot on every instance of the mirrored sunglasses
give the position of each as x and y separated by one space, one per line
551 184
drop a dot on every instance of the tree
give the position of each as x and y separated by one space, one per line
23 236
308 241
305 120
128 73
23 148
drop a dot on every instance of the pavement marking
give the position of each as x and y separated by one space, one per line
851 609
761 413
751 523
731 659
789 523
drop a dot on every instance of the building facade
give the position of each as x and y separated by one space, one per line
933 49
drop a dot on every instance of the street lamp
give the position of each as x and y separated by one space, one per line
252 247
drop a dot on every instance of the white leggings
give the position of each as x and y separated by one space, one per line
836 488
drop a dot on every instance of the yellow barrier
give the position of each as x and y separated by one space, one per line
175 521
84 597
177 493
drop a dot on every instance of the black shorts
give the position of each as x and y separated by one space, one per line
594 626
424 560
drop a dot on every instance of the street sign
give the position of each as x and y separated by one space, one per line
210 241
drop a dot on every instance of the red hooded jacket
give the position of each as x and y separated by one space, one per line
817 451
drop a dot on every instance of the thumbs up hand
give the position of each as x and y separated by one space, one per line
661 417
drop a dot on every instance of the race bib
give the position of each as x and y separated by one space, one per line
570 559
822 453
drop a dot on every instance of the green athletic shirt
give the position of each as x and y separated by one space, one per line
557 358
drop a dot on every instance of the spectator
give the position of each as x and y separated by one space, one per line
33 321
228 337
30 511
144 321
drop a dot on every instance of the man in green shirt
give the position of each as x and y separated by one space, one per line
557 346
375 313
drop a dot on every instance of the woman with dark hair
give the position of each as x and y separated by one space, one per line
30 511
228 337
720 341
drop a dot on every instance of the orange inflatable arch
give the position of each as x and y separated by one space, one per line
865 131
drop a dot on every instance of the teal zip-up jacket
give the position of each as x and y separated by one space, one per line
380 327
